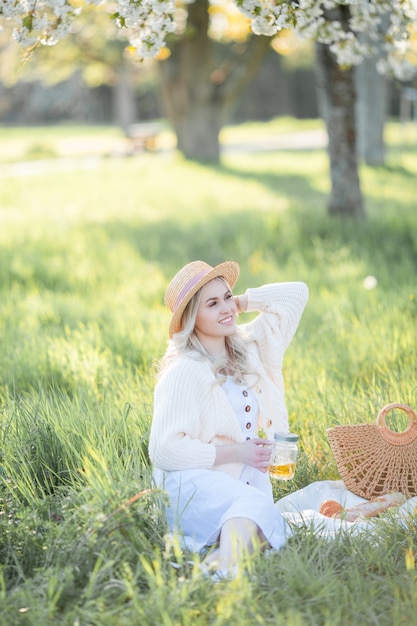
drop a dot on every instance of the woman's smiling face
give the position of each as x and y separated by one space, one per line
216 315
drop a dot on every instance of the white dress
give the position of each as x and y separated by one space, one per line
202 500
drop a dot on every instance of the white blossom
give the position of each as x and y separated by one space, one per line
147 23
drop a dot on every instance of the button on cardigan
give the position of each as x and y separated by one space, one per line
191 411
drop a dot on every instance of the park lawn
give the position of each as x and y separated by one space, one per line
21 143
85 256
72 140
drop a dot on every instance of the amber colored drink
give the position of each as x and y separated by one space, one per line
282 472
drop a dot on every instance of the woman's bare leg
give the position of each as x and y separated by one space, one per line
239 536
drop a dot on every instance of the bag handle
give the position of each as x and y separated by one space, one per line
398 438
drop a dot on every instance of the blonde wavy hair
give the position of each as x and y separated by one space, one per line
187 342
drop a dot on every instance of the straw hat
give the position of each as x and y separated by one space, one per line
189 280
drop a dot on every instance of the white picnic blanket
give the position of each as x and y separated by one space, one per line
301 508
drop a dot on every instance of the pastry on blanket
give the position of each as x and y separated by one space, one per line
330 508
373 508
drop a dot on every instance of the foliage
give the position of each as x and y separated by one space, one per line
149 22
85 256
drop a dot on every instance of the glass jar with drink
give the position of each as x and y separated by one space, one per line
284 456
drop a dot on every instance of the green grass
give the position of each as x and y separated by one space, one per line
27 143
48 142
85 256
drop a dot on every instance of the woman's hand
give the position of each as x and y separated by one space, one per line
255 452
241 303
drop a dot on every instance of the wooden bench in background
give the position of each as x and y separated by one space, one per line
143 136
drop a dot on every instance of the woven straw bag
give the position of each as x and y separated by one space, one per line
373 460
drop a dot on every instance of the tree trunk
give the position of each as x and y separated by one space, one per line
337 99
198 132
201 79
370 112
371 88
192 103
123 99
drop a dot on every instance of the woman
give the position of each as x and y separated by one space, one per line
219 388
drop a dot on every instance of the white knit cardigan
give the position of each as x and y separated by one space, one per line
191 411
